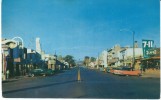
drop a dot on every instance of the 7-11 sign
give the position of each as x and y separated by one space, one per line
148 49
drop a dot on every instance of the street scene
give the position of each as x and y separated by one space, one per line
85 49
93 85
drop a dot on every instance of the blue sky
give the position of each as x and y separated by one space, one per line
80 27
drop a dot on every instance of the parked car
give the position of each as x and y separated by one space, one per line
108 69
49 72
126 71
112 70
117 71
36 72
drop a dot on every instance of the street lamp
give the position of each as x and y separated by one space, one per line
123 58
21 46
98 61
133 32
20 39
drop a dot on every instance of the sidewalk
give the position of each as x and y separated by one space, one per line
151 74
13 79
16 78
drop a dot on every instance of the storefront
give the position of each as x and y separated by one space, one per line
151 63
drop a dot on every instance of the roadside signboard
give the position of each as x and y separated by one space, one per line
148 49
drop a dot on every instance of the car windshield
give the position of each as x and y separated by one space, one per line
37 70
119 68
126 68
49 70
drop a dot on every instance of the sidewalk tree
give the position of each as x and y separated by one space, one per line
93 59
70 60
86 60
60 58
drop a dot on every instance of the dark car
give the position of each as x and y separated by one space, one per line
37 72
49 72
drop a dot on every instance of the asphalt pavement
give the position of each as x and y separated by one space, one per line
94 85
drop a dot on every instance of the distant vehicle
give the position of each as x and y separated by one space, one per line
126 71
108 69
36 72
102 69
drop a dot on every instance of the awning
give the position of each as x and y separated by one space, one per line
152 58
155 57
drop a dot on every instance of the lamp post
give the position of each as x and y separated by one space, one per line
18 42
123 58
22 47
98 61
133 51
133 33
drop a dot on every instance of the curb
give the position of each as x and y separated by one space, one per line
9 80
150 76
14 79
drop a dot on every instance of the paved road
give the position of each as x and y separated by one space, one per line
94 84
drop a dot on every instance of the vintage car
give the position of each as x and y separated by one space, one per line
49 72
126 71
36 72
112 70
40 72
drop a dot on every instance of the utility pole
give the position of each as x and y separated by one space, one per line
133 51
98 61
133 33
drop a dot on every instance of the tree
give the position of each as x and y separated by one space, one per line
60 58
70 60
93 59
86 60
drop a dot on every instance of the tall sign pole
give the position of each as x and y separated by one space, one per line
133 50
133 59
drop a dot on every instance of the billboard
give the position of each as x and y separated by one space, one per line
148 48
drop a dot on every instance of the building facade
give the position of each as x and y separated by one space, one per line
113 56
126 57
103 59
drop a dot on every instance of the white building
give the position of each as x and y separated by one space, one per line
126 56
92 64
51 61
113 56
38 45
103 59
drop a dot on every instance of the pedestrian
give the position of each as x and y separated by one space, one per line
8 74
